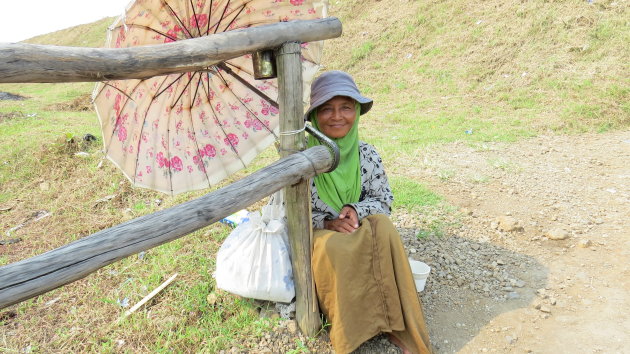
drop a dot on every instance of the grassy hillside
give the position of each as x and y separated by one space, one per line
501 68
438 71
87 35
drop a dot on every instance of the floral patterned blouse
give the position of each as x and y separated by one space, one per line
376 195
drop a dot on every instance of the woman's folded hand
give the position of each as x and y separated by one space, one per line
347 222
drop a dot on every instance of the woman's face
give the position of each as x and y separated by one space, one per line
336 116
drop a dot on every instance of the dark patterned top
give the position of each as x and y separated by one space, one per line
376 195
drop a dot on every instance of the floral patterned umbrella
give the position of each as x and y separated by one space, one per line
182 132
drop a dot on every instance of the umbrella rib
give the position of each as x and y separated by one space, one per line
249 86
121 108
173 14
182 93
195 17
234 18
247 108
192 102
169 85
194 131
216 26
221 125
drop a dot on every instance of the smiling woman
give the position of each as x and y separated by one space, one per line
362 276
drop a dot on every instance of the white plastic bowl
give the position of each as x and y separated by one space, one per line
420 273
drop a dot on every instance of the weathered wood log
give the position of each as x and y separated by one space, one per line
297 196
33 276
20 62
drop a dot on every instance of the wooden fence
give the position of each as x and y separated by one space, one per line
42 63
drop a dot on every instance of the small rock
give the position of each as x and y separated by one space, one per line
585 243
509 223
44 186
511 339
292 327
545 309
211 298
466 211
557 234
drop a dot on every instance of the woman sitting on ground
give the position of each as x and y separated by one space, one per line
362 275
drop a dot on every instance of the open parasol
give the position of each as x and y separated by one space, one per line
188 131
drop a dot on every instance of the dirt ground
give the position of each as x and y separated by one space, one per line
569 295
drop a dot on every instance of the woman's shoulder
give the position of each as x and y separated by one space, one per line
366 149
368 154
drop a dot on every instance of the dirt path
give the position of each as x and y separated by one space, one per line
508 287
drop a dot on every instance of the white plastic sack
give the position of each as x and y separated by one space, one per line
254 260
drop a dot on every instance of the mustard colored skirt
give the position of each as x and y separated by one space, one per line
365 286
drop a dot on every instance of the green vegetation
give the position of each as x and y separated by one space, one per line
410 194
438 72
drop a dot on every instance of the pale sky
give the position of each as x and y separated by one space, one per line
23 19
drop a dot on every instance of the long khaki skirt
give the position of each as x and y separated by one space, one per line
365 286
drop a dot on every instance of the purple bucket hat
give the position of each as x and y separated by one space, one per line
335 83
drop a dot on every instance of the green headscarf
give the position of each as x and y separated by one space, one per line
343 185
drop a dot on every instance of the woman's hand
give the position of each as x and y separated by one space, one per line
347 222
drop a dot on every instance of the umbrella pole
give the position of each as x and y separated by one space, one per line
297 196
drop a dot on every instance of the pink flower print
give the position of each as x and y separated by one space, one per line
161 161
121 37
176 163
179 125
296 12
199 21
191 136
268 109
117 103
210 150
218 107
231 140
190 169
223 151
130 149
311 11
149 170
247 99
145 138
179 109
233 107
171 36
245 136
108 93
122 133
268 13
284 19
202 116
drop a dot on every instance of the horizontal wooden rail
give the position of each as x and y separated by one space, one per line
20 62
34 276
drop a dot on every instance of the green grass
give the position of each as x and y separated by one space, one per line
410 194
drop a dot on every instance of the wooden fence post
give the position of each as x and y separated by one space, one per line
297 196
